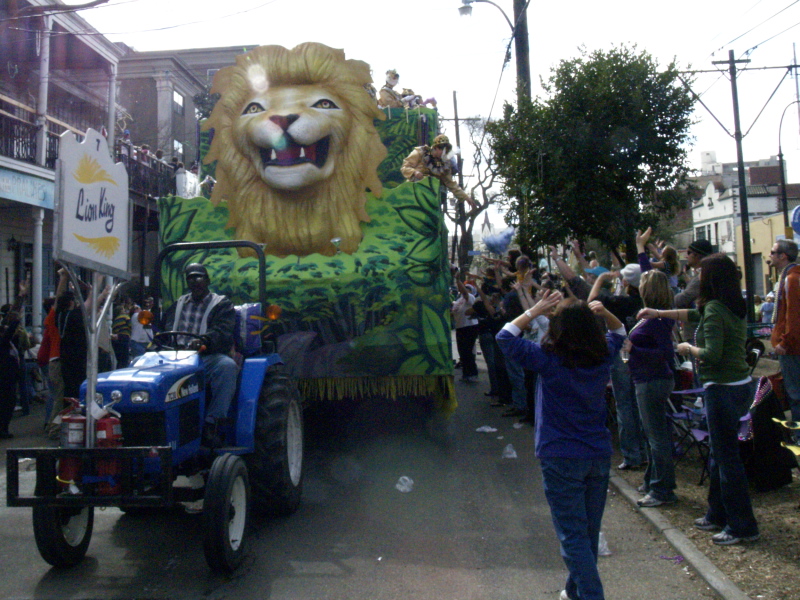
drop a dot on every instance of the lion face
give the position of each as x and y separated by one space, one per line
296 148
293 135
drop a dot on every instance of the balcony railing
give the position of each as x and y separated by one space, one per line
148 177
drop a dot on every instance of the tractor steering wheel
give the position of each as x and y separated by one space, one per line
162 338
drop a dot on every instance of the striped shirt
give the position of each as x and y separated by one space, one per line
191 316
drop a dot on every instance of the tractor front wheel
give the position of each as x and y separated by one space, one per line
225 513
63 533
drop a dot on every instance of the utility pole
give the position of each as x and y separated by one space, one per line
745 213
522 49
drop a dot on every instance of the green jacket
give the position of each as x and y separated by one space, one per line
721 338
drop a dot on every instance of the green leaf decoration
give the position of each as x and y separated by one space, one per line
422 275
419 220
426 250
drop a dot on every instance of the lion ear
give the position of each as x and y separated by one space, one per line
222 79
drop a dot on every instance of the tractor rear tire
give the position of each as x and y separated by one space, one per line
276 465
63 533
225 515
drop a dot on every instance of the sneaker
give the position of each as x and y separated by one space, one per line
650 501
704 524
725 538
564 596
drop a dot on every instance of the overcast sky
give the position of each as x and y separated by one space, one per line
438 52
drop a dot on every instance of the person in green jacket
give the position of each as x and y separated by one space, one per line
719 348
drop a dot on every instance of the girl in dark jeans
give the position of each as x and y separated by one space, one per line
651 359
572 441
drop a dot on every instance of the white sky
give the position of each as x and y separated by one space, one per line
438 52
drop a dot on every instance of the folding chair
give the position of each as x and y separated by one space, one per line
688 419
790 427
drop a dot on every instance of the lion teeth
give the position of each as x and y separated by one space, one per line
302 152
274 155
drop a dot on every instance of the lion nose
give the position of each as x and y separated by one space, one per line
284 121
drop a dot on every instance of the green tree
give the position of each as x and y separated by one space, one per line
603 154
204 102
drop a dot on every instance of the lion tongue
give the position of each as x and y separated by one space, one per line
295 153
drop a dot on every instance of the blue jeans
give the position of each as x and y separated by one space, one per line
631 439
790 368
221 372
136 349
652 396
728 497
576 492
519 393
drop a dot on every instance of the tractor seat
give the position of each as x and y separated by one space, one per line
247 333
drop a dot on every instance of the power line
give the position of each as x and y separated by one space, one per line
773 37
759 25
185 24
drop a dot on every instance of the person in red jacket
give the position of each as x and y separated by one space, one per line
786 333
49 358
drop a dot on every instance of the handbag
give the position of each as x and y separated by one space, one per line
776 380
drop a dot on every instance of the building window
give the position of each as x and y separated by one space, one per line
700 233
177 150
177 102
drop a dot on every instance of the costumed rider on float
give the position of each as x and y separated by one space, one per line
388 97
212 318
435 161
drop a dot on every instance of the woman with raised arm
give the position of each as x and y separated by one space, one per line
572 440
719 348
649 346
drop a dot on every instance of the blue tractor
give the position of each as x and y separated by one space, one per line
148 420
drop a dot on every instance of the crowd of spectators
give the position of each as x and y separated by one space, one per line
542 371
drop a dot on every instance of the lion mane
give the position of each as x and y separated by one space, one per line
296 148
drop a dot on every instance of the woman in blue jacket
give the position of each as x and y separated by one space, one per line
573 443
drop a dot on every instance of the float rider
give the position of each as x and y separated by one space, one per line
434 161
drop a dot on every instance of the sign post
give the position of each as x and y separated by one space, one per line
92 230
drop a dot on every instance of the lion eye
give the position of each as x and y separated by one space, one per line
324 103
253 108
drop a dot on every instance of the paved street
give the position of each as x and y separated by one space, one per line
474 526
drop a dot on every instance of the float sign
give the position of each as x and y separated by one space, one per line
92 209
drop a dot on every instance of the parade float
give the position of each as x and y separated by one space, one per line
308 167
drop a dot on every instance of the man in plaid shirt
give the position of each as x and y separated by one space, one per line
213 318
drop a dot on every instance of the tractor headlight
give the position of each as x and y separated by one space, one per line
140 397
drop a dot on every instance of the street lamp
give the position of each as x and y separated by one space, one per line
784 202
520 34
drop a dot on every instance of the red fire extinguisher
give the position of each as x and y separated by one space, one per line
109 435
73 435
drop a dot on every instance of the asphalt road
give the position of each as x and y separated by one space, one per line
474 526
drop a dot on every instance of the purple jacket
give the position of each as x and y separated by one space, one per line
652 354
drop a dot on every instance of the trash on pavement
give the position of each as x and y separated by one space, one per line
486 429
602 546
509 452
404 484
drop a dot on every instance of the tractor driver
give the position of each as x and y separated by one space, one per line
212 317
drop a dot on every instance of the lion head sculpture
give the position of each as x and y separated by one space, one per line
296 148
